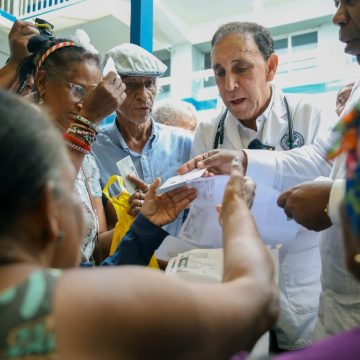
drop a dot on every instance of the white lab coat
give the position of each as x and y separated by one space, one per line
300 268
339 308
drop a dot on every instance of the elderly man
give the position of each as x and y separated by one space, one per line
155 150
176 113
314 204
258 115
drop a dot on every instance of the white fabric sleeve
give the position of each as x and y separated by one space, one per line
337 194
261 166
285 169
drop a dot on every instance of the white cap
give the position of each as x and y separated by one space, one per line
132 60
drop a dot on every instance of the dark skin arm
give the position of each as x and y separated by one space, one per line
193 321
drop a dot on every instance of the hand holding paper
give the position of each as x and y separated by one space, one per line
163 209
180 180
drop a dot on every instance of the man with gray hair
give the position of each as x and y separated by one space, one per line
176 113
258 115
153 149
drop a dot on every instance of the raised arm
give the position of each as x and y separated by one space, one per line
138 313
19 36
106 98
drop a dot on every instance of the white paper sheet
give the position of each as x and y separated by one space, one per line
198 265
201 226
207 265
110 66
180 180
202 229
126 167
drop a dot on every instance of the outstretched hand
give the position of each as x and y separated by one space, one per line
217 162
163 209
239 190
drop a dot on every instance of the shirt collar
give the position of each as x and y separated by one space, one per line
266 112
118 138
261 118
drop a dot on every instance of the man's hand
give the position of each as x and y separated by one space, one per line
307 204
163 209
19 36
105 99
217 162
136 200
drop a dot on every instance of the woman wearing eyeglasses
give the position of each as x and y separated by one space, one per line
69 85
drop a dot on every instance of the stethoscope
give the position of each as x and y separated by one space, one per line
219 136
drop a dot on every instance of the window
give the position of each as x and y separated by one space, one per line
165 57
209 82
207 60
167 62
281 46
304 41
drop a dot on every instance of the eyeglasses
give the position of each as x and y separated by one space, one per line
78 93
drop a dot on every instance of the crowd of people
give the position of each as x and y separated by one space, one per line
55 218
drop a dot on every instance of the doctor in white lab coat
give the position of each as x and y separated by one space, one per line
256 114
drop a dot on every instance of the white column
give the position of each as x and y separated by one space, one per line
181 70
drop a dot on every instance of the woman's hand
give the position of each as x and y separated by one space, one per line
105 99
239 190
163 209
19 36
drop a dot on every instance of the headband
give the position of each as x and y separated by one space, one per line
50 50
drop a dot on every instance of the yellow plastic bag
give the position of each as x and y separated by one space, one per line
124 219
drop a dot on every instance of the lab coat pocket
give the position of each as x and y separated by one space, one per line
300 276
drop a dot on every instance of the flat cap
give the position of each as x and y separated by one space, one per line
133 60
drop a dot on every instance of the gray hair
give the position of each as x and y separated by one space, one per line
166 111
260 34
